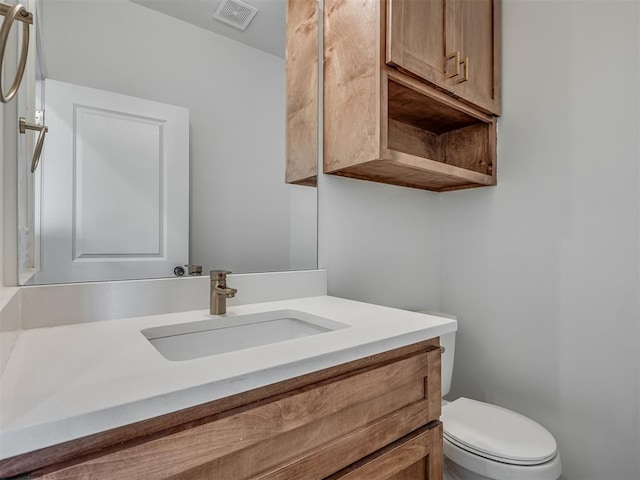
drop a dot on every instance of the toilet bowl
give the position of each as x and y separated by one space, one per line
487 442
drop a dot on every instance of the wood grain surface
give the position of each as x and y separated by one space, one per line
301 66
418 454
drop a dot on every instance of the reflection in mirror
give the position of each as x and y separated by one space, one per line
166 144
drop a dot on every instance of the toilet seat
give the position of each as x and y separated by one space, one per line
496 433
469 466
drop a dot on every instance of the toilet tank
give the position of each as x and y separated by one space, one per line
448 341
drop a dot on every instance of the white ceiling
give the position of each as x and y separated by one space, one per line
266 31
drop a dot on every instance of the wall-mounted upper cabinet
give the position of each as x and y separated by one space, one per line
302 92
411 90
452 44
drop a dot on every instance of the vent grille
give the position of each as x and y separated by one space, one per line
235 13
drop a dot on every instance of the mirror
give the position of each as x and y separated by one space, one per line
171 60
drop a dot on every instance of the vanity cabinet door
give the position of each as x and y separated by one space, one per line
417 456
452 44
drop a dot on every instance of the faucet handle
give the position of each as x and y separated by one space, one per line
219 274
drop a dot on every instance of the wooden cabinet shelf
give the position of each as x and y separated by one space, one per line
431 142
385 125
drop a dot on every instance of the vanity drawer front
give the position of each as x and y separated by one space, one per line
418 456
320 429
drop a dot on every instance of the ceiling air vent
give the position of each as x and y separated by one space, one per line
235 13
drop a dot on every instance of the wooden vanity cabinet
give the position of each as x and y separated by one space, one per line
393 109
418 456
378 414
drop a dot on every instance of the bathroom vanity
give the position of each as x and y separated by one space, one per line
361 401
378 415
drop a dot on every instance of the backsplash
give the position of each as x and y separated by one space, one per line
55 305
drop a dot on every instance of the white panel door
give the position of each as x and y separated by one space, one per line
115 186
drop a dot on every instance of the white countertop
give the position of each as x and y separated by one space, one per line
66 382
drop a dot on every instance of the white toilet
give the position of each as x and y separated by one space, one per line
486 442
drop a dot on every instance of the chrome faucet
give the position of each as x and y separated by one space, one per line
220 292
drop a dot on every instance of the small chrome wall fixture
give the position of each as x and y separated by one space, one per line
11 13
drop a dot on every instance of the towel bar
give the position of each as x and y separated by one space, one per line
11 13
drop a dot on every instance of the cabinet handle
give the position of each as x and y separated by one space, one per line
465 75
452 56
24 126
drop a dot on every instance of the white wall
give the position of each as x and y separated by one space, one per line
379 243
240 207
303 244
543 269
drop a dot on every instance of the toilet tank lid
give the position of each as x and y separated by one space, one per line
497 433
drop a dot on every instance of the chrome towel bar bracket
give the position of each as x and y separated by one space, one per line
11 13
24 126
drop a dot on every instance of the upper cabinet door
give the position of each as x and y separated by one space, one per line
473 30
416 38
452 44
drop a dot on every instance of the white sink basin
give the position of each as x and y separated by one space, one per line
186 341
